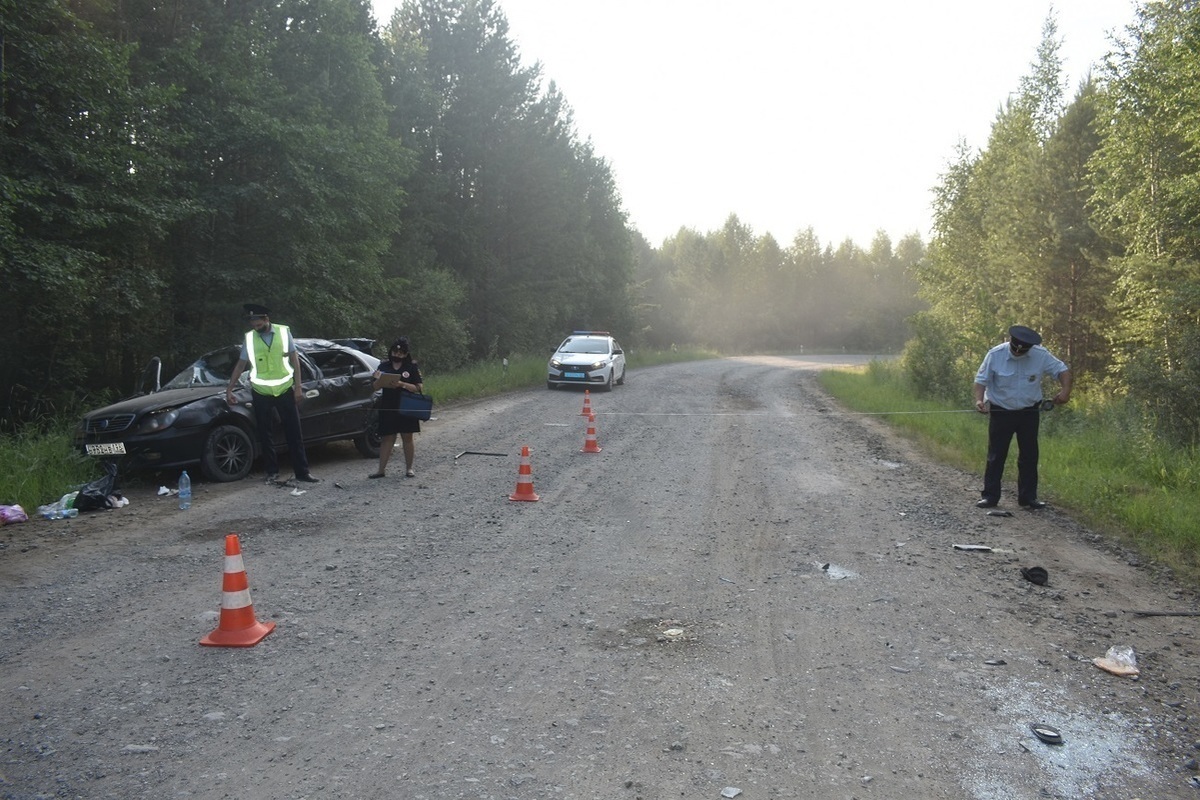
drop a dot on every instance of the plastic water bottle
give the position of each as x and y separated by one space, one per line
185 491
59 510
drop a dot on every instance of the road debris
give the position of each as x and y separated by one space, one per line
1120 660
1046 733
1036 575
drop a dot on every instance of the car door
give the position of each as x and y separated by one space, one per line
314 410
618 361
346 390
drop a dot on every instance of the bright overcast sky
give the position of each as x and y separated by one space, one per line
792 113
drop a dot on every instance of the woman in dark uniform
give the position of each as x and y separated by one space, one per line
391 422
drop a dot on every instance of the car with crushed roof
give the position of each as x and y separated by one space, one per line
186 421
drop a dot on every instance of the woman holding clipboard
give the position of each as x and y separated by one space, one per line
398 373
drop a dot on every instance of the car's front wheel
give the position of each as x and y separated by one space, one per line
370 441
228 454
608 384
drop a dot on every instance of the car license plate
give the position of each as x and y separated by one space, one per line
572 374
114 449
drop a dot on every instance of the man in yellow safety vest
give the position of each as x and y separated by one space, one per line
275 386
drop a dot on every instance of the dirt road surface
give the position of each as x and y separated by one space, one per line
747 590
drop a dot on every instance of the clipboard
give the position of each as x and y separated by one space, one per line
391 380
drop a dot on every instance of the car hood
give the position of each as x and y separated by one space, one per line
156 401
580 359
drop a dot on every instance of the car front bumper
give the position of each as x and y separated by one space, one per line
578 375
169 449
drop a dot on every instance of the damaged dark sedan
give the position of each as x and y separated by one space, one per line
186 421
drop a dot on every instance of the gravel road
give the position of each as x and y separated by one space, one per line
747 590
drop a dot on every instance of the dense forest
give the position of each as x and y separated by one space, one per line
165 161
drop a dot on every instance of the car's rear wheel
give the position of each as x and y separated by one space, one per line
228 454
370 441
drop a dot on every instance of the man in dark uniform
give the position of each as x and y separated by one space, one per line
1008 388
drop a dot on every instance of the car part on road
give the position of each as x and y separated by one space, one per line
1046 733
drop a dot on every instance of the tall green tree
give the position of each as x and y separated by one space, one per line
79 200
512 203
1148 172
291 176
1078 279
1013 238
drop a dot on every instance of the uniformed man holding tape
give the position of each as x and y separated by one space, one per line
1008 388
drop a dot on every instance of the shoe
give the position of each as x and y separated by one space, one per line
410 474
272 479
375 475
987 503
307 478
1036 505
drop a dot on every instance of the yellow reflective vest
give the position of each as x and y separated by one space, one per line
270 368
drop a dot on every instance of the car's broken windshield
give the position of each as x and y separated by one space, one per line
213 369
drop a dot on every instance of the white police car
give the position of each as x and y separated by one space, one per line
587 358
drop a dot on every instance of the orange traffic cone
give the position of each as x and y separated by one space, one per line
238 626
524 490
587 403
590 445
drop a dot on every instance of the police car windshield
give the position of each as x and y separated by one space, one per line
594 346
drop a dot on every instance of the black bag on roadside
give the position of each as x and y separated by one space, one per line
94 496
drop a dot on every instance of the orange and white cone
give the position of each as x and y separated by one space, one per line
587 403
590 445
524 490
238 626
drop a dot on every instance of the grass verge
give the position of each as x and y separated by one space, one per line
1096 460
41 466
